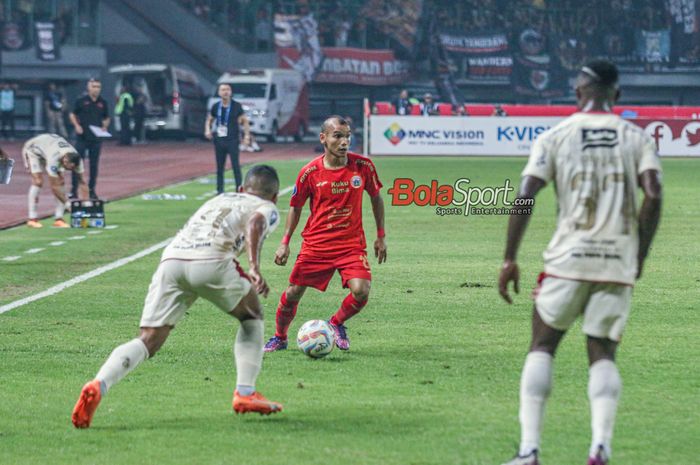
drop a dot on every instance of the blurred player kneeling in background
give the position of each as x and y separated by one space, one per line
54 154
201 262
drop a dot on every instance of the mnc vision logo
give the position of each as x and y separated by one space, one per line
395 134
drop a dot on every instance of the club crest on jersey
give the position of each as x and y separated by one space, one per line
356 181
273 217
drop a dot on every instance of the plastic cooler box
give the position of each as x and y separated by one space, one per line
87 214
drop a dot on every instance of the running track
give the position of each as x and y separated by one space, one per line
126 171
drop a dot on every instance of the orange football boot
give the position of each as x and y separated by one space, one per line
59 223
34 224
87 403
255 402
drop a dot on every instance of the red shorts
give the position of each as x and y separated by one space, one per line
316 271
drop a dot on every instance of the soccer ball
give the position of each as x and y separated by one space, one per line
316 338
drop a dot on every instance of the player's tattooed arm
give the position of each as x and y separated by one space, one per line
254 237
282 253
517 224
649 214
380 243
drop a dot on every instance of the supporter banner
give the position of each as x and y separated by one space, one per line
535 72
398 19
46 43
417 135
298 34
654 46
685 31
13 36
490 67
475 44
353 66
485 56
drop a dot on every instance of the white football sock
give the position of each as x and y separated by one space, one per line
60 208
33 200
121 361
535 386
604 387
248 351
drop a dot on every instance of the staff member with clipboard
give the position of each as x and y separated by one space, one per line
90 118
223 126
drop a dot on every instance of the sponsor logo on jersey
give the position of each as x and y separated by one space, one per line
592 138
321 184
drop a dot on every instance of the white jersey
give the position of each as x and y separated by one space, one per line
46 151
217 230
594 160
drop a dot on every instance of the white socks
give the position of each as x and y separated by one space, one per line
121 361
535 386
604 386
33 200
248 351
60 208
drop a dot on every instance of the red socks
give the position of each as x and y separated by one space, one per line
285 315
349 308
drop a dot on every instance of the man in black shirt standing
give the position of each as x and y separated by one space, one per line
89 110
228 117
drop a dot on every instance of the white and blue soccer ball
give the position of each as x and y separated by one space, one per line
316 338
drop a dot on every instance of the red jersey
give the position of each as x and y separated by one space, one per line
335 223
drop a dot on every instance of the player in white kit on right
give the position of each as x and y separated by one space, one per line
597 162
201 262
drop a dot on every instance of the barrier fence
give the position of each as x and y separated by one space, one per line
676 131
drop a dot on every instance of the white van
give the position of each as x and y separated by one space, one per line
174 99
275 100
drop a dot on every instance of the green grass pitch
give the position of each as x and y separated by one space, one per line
433 373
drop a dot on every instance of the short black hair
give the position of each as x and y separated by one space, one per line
263 179
73 158
94 79
230 86
333 119
602 72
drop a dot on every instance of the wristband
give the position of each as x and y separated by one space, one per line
285 239
380 233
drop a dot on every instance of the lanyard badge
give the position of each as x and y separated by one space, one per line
222 125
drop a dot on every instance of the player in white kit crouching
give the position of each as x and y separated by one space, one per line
53 154
597 163
201 262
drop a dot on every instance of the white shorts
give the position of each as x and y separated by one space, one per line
176 285
605 306
37 165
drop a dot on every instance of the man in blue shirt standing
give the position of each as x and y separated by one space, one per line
223 126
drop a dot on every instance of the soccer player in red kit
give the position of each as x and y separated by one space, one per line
333 238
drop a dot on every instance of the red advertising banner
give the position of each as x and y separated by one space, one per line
352 66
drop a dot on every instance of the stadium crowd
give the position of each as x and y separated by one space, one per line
574 29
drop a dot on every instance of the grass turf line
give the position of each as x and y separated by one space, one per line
432 377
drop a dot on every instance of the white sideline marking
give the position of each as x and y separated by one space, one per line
33 250
76 238
83 277
56 243
12 258
96 272
94 232
112 226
